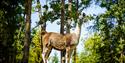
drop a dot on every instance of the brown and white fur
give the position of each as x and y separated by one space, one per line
60 42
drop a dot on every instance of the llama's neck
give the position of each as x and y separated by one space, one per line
77 31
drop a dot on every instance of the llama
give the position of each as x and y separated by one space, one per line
68 42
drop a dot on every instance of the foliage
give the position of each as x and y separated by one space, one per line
77 58
107 45
111 27
91 53
35 49
10 17
55 58
53 10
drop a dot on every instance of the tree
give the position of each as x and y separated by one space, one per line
68 25
35 48
92 46
43 26
62 28
74 54
10 17
27 39
111 27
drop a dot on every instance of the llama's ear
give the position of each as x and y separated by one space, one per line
83 14
43 32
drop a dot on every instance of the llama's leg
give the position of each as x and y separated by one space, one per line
46 53
74 55
43 54
70 54
63 53
67 54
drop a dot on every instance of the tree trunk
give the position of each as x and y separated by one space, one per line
62 18
69 17
63 56
74 55
62 30
27 39
40 16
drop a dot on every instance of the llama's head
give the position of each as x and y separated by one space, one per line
80 20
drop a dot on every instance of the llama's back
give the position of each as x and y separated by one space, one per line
55 40
59 41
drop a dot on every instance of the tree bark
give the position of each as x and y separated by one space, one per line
62 17
27 39
62 29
